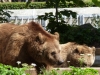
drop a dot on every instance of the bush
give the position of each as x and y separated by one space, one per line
37 5
9 70
81 35
19 70
71 33
22 5
72 71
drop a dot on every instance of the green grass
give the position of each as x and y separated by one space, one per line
72 71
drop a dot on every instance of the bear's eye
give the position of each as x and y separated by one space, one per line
76 51
53 53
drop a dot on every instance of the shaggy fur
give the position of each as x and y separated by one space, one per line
28 43
77 55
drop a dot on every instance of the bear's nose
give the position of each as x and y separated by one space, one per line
60 62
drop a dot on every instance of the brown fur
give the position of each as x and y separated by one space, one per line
28 43
73 52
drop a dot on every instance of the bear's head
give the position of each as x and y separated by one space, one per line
46 49
77 55
82 55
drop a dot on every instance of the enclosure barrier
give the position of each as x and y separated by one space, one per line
94 20
84 15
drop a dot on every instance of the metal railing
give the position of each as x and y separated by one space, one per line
21 16
79 20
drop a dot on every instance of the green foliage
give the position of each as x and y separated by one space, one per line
77 2
96 2
69 33
9 70
22 5
72 71
89 3
80 35
53 3
59 26
4 16
38 5
72 33
70 3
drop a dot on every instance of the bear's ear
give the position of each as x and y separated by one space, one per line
94 49
41 38
56 35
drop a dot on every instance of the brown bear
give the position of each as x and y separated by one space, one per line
28 43
77 55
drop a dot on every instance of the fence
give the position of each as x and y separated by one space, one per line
79 20
25 15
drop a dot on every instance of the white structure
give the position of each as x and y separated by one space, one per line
84 15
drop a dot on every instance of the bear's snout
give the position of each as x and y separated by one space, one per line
60 62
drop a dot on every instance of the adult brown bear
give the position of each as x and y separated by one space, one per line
28 43
77 55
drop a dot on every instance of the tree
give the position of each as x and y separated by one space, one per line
53 24
96 2
55 4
